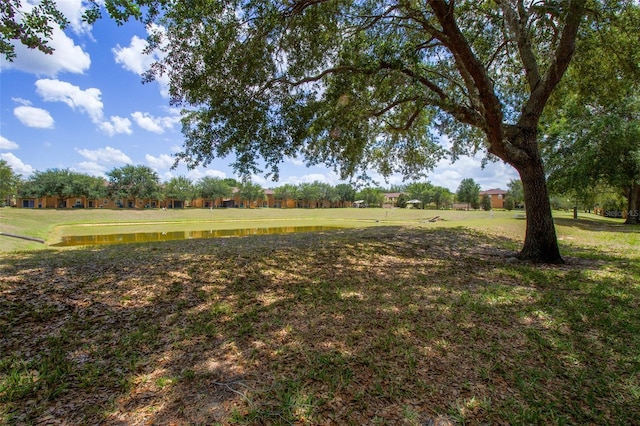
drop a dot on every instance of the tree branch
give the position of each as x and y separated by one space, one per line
299 6
562 57
370 21
409 122
320 76
393 105
517 25
466 61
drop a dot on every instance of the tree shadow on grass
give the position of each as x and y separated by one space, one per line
373 326
596 225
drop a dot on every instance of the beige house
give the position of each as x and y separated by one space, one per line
391 199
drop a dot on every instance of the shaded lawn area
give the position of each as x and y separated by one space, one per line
383 325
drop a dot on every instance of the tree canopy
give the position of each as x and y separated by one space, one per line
515 191
8 182
468 192
134 181
371 85
213 188
592 133
180 188
372 197
251 192
285 193
31 25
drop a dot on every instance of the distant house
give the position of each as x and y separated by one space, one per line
497 197
391 199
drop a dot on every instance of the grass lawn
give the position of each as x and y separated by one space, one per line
51 225
391 320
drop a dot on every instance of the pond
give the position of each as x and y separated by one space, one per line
146 237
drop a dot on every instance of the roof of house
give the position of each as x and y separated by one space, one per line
495 191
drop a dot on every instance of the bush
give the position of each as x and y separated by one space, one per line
486 202
509 204
402 201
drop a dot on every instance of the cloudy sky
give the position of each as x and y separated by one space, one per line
85 108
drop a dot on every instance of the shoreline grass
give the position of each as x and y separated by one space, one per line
393 324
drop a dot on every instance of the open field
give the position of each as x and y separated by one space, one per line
50 225
392 320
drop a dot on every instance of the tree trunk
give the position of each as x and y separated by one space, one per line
540 242
633 211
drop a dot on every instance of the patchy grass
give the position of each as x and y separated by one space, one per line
386 325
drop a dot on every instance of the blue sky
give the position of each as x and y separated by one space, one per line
86 109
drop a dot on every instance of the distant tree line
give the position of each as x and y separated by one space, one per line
127 182
141 182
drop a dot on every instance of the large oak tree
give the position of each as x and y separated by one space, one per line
370 84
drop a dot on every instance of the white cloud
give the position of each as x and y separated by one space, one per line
330 178
22 101
197 174
295 161
106 155
91 168
6 144
164 161
86 101
155 124
66 57
166 177
445 174
147 122
260 180
73 10
17 165
116 125
494 175
449 175
215 174
34 117
133 58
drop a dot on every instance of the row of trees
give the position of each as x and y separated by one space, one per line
127 182
141 182
316 192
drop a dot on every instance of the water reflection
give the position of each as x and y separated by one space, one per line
146 237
